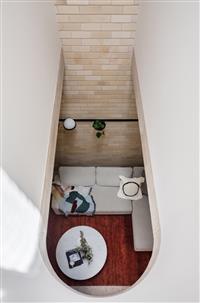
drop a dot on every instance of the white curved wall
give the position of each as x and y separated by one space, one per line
31 53
166 55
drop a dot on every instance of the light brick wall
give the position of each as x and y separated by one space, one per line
98 38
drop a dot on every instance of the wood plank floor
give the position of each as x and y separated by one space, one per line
120 146
123 267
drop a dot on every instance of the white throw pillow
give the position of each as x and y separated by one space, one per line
130 188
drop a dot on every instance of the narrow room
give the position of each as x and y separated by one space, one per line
99 190
99 133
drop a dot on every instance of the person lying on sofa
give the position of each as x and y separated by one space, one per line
71 201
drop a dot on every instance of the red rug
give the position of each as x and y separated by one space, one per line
123 267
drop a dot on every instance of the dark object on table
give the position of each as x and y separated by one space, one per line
99 126
85 248
74 258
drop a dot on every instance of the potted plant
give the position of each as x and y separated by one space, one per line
85 249
99 126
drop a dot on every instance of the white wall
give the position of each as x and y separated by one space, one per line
31 53
167 60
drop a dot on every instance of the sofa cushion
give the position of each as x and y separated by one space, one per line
130 188
74 175
107 201
142 228
109 176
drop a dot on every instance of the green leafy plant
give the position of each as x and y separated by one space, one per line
99 126
85 249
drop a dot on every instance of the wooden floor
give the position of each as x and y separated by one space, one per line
120 146
123 267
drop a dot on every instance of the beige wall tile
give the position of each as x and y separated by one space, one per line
97 82
98 55
101 26
101 9
96 9
130 9
123 18
123 34
73 67
81 88
128 26
98 61
69 26
115 67
98 38
83 18
125 2
65 34
72 48
98 2
98 97
66 9
72 42
75 34
98 42
111 26
92 78
97 34
85 34
91 72
118 48
91 26
77 2
101 34
99 67
97 78
59 2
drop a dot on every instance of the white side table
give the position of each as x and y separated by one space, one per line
70 240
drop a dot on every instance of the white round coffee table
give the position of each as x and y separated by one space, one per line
70 240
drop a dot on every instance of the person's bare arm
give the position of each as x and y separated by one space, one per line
57 191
